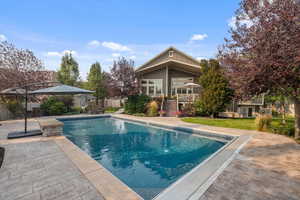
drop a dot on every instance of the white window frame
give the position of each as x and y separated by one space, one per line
181 78
147 85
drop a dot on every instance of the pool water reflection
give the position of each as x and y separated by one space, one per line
147 159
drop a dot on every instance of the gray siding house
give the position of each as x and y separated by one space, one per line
166 74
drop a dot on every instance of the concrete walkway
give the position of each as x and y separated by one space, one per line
268 167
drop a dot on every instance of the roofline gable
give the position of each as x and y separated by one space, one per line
165 51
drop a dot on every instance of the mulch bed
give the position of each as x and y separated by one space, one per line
1 155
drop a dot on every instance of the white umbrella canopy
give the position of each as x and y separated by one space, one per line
191 85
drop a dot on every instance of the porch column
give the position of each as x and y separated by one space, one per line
167 81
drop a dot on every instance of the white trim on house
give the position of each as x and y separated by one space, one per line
155 84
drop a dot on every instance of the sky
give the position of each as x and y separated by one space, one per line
104 30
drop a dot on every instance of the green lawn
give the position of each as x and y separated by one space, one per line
247 124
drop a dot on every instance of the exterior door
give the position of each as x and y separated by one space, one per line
250 112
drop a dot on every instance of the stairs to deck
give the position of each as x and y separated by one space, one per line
171 108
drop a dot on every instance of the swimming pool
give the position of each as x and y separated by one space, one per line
146 158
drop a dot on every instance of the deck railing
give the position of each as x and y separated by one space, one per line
187 97
254 101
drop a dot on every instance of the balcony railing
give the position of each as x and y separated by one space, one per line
187 97
254 101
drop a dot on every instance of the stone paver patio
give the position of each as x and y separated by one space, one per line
266 168
39 170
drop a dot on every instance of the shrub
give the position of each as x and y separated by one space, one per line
288 128
111 109
14 107
76 110
67 101
263 122
136 104
152 109
57 108
52 106
139 114
189 110
141 103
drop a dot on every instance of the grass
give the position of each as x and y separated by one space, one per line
246 124
111 110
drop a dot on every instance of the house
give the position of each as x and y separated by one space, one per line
166 74
245 109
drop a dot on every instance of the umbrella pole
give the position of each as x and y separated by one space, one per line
26 100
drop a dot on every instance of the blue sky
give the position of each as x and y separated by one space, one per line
103 30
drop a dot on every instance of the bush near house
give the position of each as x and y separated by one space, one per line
111 109
14 106
136 103
263 122
52 106
152 109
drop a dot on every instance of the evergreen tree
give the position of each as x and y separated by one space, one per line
68 73
96 82
215 93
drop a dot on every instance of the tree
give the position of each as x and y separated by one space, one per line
123 77
96 82
215 92
19 67
263 55
68 73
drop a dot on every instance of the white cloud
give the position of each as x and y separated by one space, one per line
132 57
60 54
115 46
94 43
2 38
53 53
116 55
198 37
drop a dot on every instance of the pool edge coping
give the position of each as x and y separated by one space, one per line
95 173
202 187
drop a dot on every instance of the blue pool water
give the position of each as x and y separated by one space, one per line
147 159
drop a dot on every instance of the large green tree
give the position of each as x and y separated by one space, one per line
215 92
68 73
96 82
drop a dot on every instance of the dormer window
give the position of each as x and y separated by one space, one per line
171 53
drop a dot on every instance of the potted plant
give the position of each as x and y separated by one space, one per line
178 113
162 113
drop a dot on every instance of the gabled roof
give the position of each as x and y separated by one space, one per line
163 57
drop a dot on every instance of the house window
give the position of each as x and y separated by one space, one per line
152 87
171 53
177 85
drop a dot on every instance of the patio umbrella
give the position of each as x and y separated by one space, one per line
56 90
61 90
13 91
191 85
